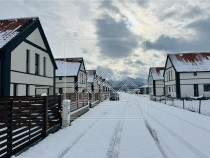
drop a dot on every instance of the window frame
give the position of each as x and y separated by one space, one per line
37 64
44 66
206 87
27 61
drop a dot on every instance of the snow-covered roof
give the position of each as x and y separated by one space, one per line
90 75
10 28
157 73
68 66
191 62
144 86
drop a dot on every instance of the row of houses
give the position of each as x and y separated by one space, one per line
184 75
28 67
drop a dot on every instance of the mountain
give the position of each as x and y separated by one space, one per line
127 83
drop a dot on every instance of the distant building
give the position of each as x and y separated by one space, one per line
71 75
156 81
187 75
144 89
92 82
27 66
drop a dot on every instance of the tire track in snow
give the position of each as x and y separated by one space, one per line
114 147
181 140
78 138
206 130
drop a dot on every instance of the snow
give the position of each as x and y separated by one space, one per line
157 73
191 62
181 133
144 86
191 105
90 78
111 129
67 68
9 28
120 129
10 35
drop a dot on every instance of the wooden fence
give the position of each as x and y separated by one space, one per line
79 100
24 120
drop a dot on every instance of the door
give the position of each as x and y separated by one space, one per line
61 90
196 93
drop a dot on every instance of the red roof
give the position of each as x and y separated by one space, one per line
71 60
158 69
10 28
190 62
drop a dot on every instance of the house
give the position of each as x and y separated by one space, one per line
144 89
70 75
27 65
92 82
187 75
156 81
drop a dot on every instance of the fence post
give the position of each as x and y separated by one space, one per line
173 101
59 106
199 106
183 103
165 99
9 146
45 115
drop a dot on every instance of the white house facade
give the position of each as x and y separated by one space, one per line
156 81
187 75
26 61
92 82
70 75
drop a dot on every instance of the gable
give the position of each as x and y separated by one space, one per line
36 38
82 67
168 64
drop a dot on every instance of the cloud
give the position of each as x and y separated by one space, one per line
180 12
143 3
115 40
198 43
106 72
107 4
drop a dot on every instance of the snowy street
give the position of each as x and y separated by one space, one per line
118 129
111 130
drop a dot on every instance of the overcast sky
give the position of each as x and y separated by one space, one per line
123 37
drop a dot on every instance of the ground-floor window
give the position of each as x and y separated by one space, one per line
15 90
206 87
27 90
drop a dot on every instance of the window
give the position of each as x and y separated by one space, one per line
194 73
37 64
206 87
44 66
27 61
60 78
27 90
15 88
171 75
169 89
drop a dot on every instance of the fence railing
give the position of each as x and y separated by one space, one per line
78 100
198 105
24 120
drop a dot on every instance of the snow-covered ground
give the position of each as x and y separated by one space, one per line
109 130
119 130
181 133
191 105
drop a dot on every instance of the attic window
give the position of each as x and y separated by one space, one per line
195 73
60 78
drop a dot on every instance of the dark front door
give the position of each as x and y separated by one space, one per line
196 93
61 90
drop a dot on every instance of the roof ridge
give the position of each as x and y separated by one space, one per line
35 17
